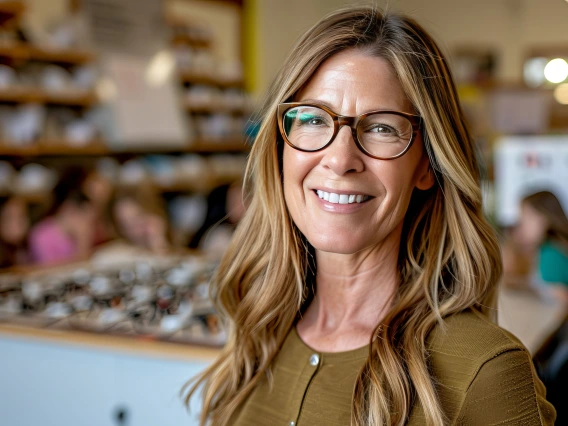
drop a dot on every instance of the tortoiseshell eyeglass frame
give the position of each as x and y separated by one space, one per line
345 120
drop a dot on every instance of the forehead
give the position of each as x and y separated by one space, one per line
353 82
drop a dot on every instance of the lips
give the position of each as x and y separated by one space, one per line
336 198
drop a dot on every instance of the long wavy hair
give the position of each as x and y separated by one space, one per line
449 258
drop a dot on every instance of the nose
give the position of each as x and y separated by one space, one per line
343 156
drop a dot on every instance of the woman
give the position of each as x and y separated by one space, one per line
225 209
359 285
65 235
140 217
538 247
14 227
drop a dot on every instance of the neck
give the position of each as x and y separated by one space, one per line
353 292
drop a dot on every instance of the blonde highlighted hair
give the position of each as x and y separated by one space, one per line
449 258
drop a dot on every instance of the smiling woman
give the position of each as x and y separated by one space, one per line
360 286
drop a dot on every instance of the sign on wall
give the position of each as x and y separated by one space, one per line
525 165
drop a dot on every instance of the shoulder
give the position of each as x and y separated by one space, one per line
462 344
466 341
477 364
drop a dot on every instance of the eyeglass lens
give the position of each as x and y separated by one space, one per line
381 134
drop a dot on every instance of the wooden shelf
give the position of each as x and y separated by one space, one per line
46 148
193 78
185 40
14 51
62 56
22 51
224 145
10 10
71 98
54 148
82 99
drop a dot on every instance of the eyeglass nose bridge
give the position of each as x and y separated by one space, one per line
351 122
345 120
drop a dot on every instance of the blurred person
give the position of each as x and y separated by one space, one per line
360 286
538 249
14 227
100 191
67 234
225 208
139 217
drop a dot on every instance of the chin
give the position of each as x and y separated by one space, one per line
339 244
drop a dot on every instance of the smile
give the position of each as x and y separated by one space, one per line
342 198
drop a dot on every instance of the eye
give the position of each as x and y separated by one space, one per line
310 119
382 129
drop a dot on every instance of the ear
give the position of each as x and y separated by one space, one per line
425 179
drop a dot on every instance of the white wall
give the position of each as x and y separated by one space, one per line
511 27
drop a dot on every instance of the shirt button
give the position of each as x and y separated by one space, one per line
314 360
292 424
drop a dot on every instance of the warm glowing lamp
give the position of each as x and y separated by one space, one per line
556 70
561 94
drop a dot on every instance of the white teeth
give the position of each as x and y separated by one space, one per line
341 198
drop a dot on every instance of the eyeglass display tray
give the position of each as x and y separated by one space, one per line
163 298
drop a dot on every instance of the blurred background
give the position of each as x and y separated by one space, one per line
124 131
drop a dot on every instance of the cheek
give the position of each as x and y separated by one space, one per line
296 167
396 178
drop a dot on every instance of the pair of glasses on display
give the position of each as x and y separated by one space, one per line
384 135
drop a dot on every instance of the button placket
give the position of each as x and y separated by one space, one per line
314 361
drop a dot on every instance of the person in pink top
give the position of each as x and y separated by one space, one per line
67 235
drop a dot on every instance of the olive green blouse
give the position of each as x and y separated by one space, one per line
483 375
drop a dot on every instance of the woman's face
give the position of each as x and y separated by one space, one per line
531 228
131 220
351 83
14 222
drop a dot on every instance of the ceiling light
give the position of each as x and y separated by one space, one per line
556 70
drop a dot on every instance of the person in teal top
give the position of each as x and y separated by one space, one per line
542 234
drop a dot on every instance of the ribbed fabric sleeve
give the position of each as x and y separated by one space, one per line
506 391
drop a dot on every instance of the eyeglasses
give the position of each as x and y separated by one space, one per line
384 135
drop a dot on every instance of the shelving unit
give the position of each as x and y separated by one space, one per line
212 95
56 154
